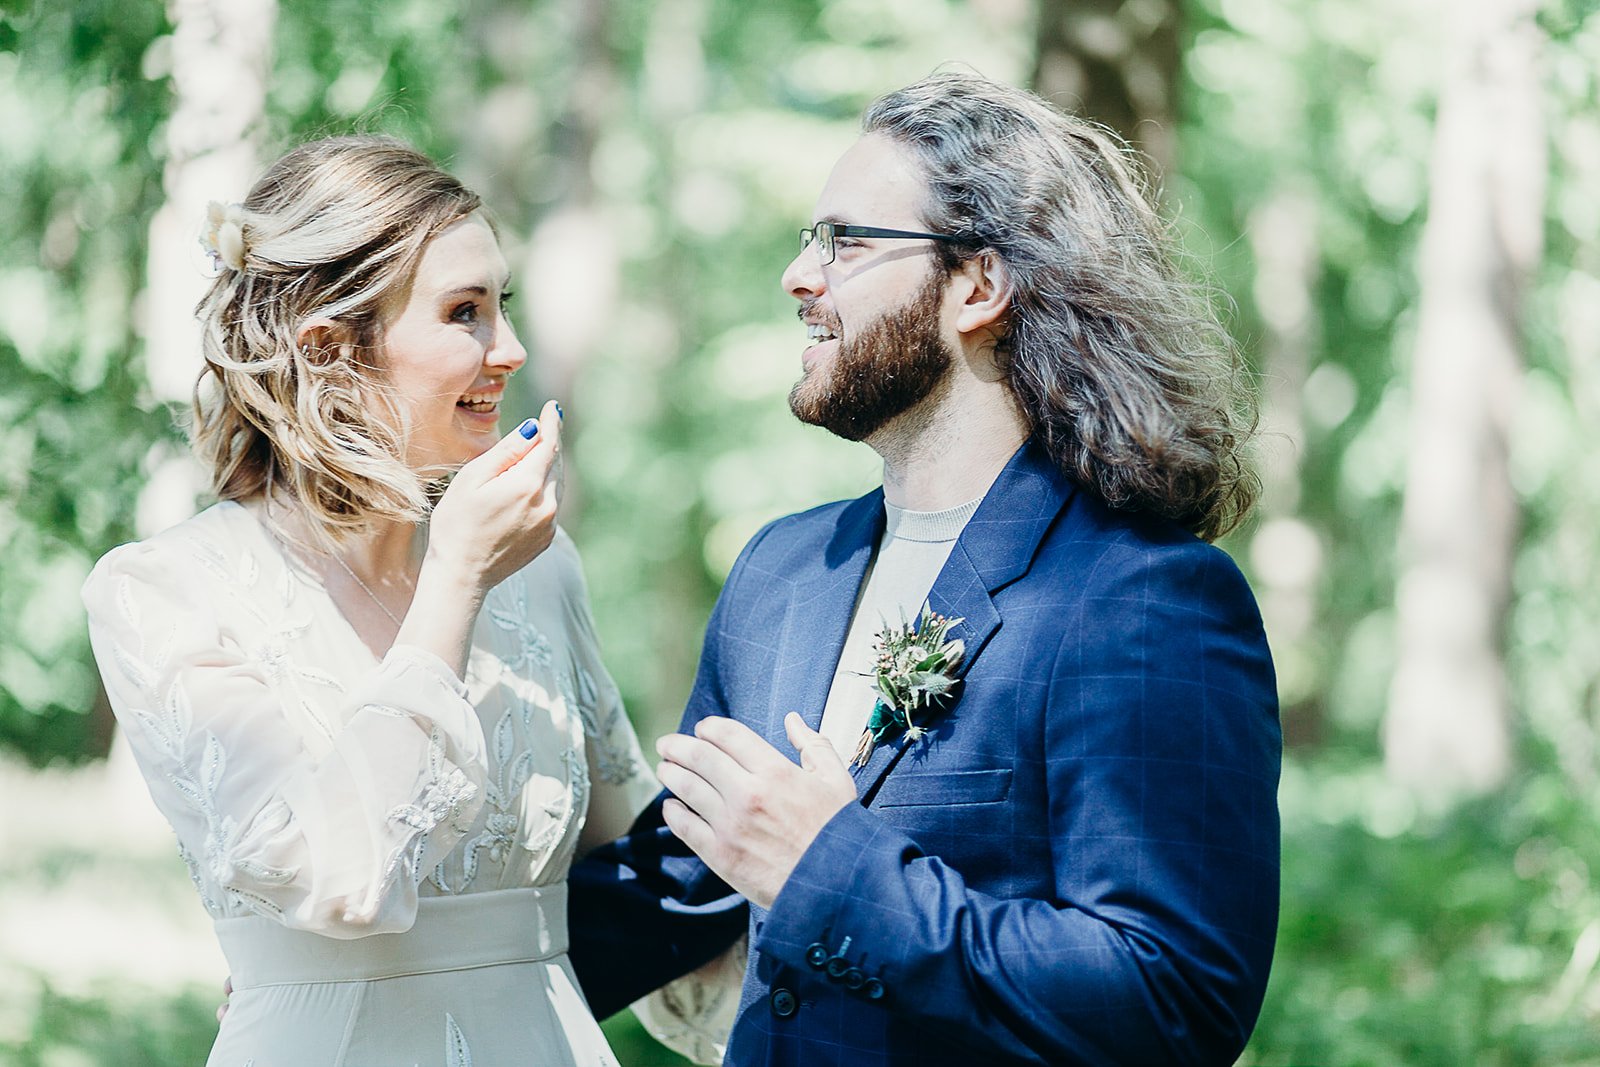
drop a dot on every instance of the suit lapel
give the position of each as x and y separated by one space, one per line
994 550
820 606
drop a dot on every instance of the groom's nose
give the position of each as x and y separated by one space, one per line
804 278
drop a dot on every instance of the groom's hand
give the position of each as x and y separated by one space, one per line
743 806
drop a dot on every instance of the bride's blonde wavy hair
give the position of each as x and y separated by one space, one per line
331 231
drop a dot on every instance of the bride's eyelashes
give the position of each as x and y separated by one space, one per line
467 312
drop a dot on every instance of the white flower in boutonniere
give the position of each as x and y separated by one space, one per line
912 675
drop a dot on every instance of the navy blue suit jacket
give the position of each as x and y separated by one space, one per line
1077 865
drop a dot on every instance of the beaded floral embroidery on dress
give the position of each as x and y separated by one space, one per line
508 610
498 839
168 725
526 668
167 728
456 1050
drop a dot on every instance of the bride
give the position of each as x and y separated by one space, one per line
374 714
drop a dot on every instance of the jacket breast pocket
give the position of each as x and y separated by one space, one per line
944 789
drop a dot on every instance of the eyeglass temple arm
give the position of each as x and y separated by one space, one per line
878 231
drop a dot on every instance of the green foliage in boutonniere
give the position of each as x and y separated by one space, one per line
913 674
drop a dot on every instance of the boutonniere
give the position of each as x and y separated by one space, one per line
912 675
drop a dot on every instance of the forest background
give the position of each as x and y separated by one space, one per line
1399 198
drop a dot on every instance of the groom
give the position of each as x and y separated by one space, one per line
1077 861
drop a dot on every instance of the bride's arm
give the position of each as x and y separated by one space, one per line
334 841
497 515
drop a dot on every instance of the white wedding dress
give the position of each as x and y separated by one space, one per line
382 847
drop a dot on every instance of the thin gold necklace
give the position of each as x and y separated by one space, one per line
292 543
365 589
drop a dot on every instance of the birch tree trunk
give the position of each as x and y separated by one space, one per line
221 57
1116 62
1286 552
1447 730
573 266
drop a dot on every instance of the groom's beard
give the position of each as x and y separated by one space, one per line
880 371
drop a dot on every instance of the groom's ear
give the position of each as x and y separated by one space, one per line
986 288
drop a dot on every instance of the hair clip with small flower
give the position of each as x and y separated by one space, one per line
223 236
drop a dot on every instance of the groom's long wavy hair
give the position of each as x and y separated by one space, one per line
1121 365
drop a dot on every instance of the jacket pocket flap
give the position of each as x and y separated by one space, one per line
951 787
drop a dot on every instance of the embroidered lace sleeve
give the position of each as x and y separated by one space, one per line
622 784
693 1015
333 840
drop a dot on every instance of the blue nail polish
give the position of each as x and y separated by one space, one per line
528 428
562 415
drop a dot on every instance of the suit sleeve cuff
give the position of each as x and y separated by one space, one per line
827 898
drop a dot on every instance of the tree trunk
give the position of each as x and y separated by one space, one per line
573 266
1447 732
221 57
1285 551
1116 62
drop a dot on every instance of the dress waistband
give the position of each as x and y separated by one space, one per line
451 933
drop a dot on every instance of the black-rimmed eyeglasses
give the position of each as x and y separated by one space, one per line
825 234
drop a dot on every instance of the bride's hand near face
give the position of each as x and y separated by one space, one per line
500 510
497 515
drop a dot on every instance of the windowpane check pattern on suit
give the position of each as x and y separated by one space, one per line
1077 865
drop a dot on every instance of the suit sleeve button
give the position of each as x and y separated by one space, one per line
872 989
784 1003
854 979
817 956
837 966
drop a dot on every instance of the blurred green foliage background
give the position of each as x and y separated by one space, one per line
648 165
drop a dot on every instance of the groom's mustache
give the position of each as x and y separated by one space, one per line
808 312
